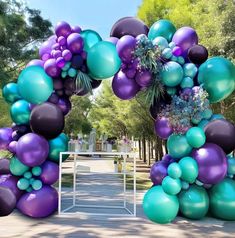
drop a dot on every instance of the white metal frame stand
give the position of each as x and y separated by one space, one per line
124 173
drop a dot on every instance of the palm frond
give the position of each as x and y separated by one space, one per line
83 82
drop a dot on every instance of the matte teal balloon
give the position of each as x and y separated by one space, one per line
194 202
180 60
72 72
29 189
203 123
31 180
189 169
37 184
10 93
217 117
171 186
17 168
23 184
28 175
162 28
222 199
36 171
64 137
231 165
90 38
178 146
217 75
103 60
167 53
159 206
171 74
187 82
160 42
184 185
20 112
196 137
174 170
190 70
171 90
35 85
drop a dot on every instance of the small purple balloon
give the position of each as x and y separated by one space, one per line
76 29
75 43
144 78
54 98
61 40
67 55
65 105
5 137
56 53
35 62
60 62
4 166
176 51
113 40
46 47
50 172
62 29
163 128
130 73
51 68
167 159
158 172
12 147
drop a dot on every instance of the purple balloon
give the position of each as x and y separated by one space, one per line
75 43
62 29
130 73
167 159
61 40
56 53
163 128
158 172
50 172
54 98
12 147
39 203
4 166
65 105
143 78
67 55
176 51
113 40
58 84
212 163
76 29
32 149
35 62
60 62
7 201
51 68
46 47
5 137
123 87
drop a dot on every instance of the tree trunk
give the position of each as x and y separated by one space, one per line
139 144
149 152
144 149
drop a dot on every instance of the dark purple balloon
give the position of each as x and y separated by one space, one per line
50 172
158 172
65 105
60 63
212 163
60 92
144 78
62 29
77 61
75 43
15 136
61 40
113 40
58 83
76 29
51 68
163 128
130 73
54 98
35 62
7 201
12 147
198 54
5 137
167 159
39 203
4 166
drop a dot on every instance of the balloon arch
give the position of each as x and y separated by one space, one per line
166 65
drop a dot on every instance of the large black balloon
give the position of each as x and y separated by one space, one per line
222 133
197 54
128 26
7 201
47 120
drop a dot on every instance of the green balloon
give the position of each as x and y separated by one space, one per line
171 186
17 168
20 112
222 199
217 75
174 170
23 184
178 146
36 171
189 169
90 38
187 82
162 28
231 165
196 137
171 74
159 206
194 202
190 70
35 85
37 184
103 60
10 93
160 42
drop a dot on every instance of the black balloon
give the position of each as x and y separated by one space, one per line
222 133
95 83
47 120
197 54
7 201
128 26
77 61
4 166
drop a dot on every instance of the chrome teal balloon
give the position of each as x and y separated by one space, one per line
10 92
17 168
167 53
37 184
90 38
196 137
159 206
174 170
160 42
171 74
103 60
171 90
162 28
35 85
187 82
20 112
217 75
178 146
222 199
23 184
190 70
189 168
194 202
171 186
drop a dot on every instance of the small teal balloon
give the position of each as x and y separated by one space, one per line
190 70
203 123
66 66
180 60
23 184
167 53
37 184
217 117
20 112
198 182
64 74
196 137
187 82
160 42
174 58
10 93
34 85
17 168
31 181
164 28
172 45
36 171
90 38
171 186
28 175
206 114
171 74
29 189
72 72
171 90
159 206
184 185
231 165
174 170
103 60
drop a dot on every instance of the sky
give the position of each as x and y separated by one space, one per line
98 15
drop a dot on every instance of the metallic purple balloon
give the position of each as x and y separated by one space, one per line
76 29
67 55
144 78
50 172
212 163
39 203
176 51
75 43
46 47
54 98
12 147
5 137
163 128
35 62
65 105
60 62
130 73
51 68
113 40
158 172
62 29
32 149
167 159
4 166
123 87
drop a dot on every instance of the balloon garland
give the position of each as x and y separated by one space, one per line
179 82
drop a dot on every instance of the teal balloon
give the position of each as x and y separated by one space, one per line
217 75
159 206
196 137
190 70
203 123
171 74
72 72
23 183
172 45
162 28
66 67
174 58
194 202
103 60
198 182
20 112
35 85
10 93
189 168
231 165
184 185
180 60
206 114
174 170
29 189
28 175
171 186
64 137
171 90
90 38
222 199
187 82
17 168
31 181
36 171
178 146
37 184
217 117
167 53
160 42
